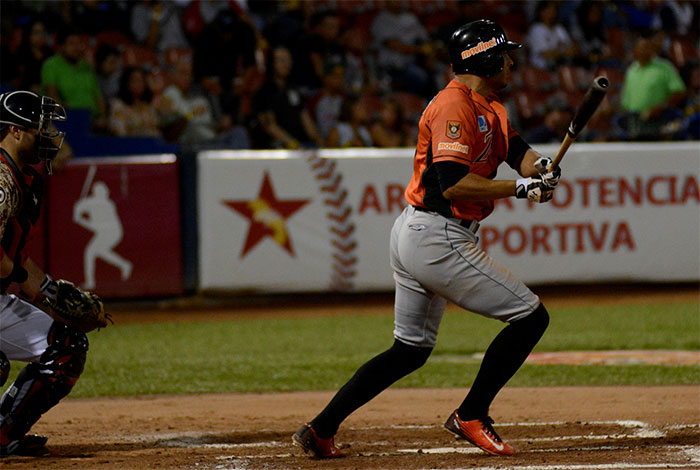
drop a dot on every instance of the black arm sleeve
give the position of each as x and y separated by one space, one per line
516 151
449 173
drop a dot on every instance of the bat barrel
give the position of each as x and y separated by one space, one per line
591 100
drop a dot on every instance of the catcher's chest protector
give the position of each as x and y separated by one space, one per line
18 228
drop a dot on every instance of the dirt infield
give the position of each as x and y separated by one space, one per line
553 428
581 428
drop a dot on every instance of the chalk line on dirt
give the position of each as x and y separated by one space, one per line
605 466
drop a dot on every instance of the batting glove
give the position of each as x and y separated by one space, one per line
543 166
535 189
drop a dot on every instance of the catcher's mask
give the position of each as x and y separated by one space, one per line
31 111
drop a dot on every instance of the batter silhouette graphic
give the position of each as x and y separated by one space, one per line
98 214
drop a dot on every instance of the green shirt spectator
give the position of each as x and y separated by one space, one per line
70 79
652 95
649 85
76 83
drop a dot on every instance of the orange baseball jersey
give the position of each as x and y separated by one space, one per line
459 125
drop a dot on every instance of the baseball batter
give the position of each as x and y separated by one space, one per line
55 351
464 135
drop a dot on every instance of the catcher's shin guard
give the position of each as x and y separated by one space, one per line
42 384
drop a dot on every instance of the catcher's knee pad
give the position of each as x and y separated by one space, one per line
4 368
65 357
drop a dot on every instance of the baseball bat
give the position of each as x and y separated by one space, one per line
92 169
591 100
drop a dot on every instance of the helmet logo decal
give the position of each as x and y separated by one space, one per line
482 46
454 129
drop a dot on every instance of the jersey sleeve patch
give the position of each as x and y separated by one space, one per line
453 146
453 129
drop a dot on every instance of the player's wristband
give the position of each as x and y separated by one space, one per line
49 287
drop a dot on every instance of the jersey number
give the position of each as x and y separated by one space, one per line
488 137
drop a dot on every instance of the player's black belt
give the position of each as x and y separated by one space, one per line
471 225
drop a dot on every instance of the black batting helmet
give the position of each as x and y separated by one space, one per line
476 47
31 111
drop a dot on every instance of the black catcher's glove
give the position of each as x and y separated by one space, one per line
77 308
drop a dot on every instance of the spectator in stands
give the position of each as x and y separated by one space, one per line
553 128
283 26
325 106
360 66
588 31
687 125
391 129
70 79
320 45
156 24
651 94
690 129
351 129
467 11
108 68
95 16
236 75
133 112
404 50
676 18
227 119
550 45
31 54
281 118
198 14
189 117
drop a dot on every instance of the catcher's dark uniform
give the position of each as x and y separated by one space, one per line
24 328
55 352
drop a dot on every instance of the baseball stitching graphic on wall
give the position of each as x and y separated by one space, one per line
282 221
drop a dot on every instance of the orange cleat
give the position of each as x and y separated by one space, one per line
321 448
479 432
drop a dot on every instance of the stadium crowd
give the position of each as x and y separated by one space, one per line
339 73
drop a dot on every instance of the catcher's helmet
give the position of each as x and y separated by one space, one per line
476 47
31 111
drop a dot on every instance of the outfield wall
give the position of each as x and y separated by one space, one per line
280 221
113 225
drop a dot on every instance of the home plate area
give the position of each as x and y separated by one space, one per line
573 428
541 446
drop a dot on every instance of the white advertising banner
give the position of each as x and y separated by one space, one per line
282 221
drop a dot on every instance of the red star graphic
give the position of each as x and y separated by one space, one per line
267 216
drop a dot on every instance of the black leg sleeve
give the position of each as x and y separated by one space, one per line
372 378
502 360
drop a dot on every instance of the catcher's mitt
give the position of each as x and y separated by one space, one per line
77 308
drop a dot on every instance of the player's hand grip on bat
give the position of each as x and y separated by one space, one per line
535 189
544 167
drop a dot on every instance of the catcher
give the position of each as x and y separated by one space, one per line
45 324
